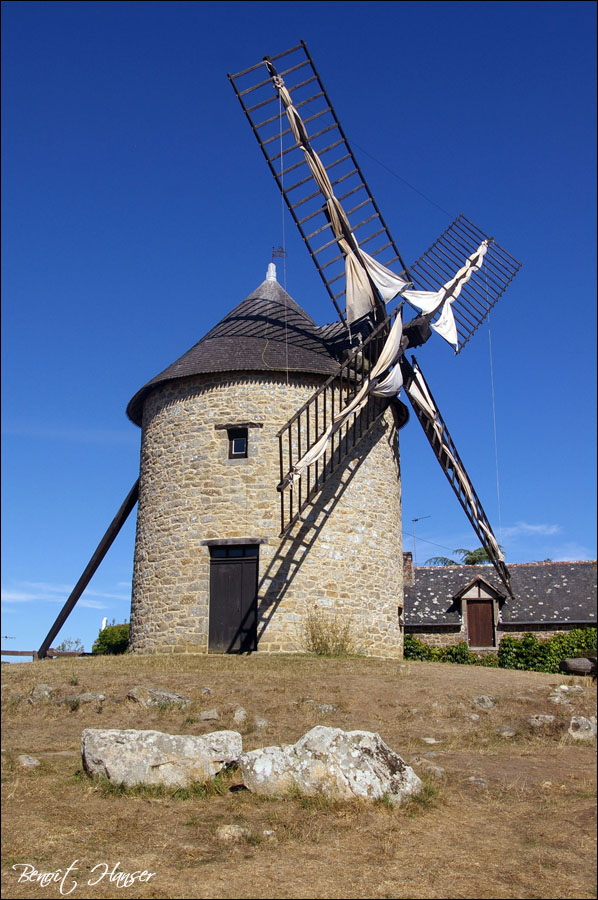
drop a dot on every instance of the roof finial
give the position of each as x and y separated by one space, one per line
271 273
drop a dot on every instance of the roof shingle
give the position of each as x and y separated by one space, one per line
268 331
562 592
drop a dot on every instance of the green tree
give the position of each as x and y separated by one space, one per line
442 561
112 639
476 557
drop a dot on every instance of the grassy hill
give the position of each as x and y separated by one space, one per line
524 828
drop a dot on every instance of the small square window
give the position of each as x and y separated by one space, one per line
237 443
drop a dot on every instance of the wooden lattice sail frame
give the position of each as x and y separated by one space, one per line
286 159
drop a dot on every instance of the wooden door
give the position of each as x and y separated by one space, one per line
233 599
480 622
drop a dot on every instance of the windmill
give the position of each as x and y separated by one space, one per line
268 403
452 287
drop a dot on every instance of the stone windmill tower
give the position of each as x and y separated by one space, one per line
212 571
269 485
270 482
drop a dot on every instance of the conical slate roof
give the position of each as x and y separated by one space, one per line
267 331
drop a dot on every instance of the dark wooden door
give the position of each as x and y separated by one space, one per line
233 599
480 623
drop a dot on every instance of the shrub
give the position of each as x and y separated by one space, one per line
456 653
489 660
544 656
112 639
525 653
414 649
328 635
70 645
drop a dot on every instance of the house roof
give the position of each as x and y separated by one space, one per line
268 331
489 588
545 593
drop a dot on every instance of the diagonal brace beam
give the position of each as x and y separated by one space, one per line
100 552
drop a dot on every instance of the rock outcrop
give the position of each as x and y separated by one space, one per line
582 729
337 764
133 757
153 697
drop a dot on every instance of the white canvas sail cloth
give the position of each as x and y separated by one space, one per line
391 385
361 269
420 395
388 387
430 301
358 264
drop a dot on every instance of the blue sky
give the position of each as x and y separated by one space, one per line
138 210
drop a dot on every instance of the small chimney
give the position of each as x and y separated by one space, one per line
407 569
271 273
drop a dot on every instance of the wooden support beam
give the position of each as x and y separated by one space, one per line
101 550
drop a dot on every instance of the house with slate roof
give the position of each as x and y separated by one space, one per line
448 604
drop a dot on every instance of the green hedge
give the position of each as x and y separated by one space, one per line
457 653
112 639
513 653
544 656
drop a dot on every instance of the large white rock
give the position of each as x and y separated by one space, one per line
133 757
338 764
583 729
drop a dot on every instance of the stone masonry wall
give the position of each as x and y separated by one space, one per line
343 560
542 632
439 637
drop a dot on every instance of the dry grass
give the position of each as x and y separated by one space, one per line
529 834
328 635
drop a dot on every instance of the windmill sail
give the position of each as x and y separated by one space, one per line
446 453
342 240
307 152
325 190
479 287
441 301
364 276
